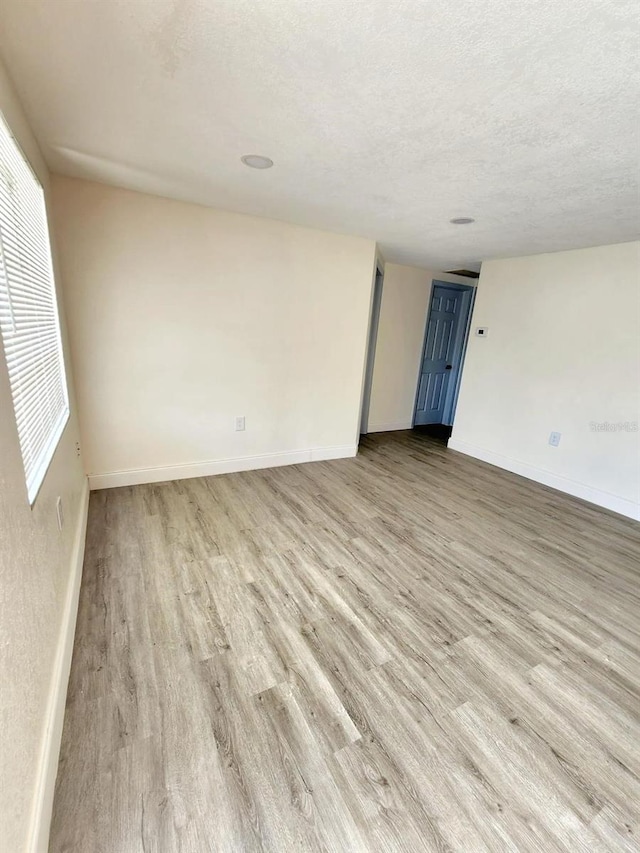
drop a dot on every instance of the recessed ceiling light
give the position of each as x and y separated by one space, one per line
462 220
256 161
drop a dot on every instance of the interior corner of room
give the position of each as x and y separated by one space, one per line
208 337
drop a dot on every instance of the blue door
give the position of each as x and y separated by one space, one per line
444 340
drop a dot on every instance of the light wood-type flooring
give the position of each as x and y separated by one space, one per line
406 651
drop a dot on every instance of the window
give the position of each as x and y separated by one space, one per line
29 314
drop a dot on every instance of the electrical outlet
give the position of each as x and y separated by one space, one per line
554 439
60 513
239 423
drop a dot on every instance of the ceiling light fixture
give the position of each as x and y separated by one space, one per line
256 161
462 220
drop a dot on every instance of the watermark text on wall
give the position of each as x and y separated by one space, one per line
613 426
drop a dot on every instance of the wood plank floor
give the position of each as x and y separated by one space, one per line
407 651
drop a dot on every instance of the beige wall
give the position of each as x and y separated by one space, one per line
403 317
563 351
35 573
182 317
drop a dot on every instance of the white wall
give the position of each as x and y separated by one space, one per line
405 298
563 351
38 584
182 317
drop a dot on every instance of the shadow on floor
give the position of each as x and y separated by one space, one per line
439 431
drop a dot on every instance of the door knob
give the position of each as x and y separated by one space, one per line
448 367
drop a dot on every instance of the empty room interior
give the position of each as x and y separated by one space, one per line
319 408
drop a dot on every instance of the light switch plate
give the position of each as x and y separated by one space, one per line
482 331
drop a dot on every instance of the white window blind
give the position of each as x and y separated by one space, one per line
29 314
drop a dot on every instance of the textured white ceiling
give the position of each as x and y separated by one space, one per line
384 119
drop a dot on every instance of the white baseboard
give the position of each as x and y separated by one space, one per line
390 427
138 476
547 478
48 764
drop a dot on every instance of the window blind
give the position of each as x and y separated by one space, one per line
29 314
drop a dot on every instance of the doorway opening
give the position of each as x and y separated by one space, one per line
371 349
445 341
